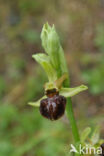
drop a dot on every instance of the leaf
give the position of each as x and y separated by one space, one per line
85 134
44 61
69 92
95 136
37 103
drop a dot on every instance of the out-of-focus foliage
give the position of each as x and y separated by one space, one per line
81 28
94 75
95 79
99 40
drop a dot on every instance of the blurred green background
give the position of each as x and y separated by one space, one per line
80 25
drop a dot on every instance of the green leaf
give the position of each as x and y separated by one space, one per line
44 61
95 136
36 103
69 92
85 134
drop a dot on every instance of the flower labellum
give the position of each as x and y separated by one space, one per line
53 107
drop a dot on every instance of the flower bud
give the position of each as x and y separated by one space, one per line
51 44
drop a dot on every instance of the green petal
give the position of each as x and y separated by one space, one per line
69 92
36 103
44 61
60 81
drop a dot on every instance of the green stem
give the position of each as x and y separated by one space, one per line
70 114
73 124
71 117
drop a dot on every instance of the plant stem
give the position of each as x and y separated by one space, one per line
71 117
73 124
70 114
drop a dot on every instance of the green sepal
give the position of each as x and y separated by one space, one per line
69 92
36 103
44 61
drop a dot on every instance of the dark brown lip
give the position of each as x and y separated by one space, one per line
53 108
